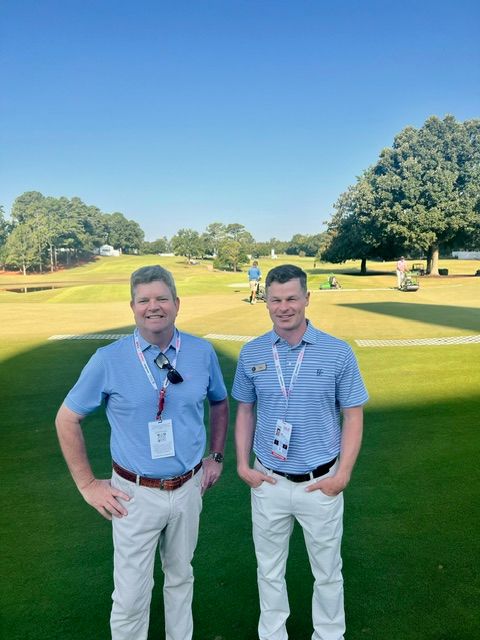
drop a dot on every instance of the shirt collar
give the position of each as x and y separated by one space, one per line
309 337
144 344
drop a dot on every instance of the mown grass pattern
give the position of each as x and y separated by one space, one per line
411 543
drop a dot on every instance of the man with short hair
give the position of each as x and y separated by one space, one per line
292 385
254 275
153 383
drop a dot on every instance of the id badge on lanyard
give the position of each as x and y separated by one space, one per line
162 444
283 429
161 439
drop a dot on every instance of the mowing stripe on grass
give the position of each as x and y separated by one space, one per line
218 336
419 342
235 338
90 336
116 336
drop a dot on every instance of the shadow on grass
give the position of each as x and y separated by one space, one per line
411 525
466 318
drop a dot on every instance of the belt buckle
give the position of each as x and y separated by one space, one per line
161 483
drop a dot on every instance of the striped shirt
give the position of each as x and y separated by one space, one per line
329 380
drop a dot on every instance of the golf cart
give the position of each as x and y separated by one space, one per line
419 268
410 282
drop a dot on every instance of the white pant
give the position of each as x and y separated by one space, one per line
274 511
156 518
400 277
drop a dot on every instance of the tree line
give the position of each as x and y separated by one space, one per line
45 233
421 197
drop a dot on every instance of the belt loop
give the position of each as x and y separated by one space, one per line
137 480
312 477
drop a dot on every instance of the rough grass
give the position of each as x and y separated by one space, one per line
411 542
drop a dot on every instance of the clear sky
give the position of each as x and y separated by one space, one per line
182 113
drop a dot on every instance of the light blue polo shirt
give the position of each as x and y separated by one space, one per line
329 380
254 273
114 375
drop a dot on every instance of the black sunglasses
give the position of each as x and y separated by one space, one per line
163 362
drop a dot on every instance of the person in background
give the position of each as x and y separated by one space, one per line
294 385
402 268
254 275
153 384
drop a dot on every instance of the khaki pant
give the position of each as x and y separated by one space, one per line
275 507
167 520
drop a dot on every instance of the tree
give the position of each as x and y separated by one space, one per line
238 233
161 245
435 188
212 237
423 194
123 234
188 243
355 230
21 247
305 245
4 229
231 254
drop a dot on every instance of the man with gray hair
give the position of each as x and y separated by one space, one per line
153 384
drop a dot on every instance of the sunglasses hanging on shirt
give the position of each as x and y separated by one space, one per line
163 362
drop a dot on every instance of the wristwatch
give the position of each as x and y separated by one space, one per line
218 457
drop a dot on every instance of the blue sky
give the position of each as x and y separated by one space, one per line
179 114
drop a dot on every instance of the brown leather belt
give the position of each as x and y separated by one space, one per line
168 484
303 477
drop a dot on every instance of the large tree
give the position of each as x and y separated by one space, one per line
422 195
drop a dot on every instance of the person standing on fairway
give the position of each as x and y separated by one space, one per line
292 385
254 275
153 384
401 269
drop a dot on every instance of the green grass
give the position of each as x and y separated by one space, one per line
411 544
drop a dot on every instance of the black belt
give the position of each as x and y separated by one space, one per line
303 477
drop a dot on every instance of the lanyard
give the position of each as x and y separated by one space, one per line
151 379
286 394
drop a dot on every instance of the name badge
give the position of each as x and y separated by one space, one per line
281 439
161 439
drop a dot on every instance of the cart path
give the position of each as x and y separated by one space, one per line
418 342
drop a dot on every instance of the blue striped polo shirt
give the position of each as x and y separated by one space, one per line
114 376
329 380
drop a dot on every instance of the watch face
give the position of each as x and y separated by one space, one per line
218 457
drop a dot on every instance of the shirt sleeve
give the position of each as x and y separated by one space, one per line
243 388
89 391
351 391
217 390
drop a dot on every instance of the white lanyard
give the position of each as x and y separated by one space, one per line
144 363
286 394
